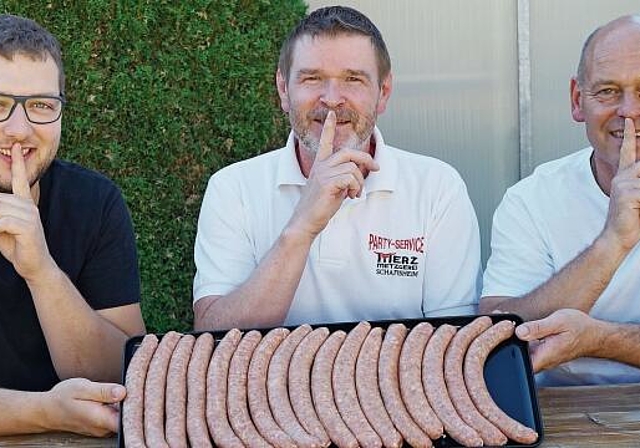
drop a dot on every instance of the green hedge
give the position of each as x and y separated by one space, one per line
161 95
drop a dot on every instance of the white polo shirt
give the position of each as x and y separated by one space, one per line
408 247
544 222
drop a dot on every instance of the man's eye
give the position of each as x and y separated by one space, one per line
607 92
43 105
310 79
6 103
353 79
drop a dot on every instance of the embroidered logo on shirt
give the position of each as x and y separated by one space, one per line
396 257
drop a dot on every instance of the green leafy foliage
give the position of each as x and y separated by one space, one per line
161 95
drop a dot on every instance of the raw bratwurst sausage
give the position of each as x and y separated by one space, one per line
474 363
257 390
322 392
344 381
217 376
154 390
278 391
390 387
176 405
453 364
237 392
300 384
368 389
196 392
133 404
436 389
411 387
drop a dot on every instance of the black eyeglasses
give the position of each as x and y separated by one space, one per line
38 109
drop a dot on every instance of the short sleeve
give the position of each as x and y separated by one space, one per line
453 272
110 276
223 252
520 257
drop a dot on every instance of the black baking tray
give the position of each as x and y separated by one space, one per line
508 371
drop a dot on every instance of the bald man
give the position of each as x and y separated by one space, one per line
565 252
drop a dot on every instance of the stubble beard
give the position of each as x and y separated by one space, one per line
358 138
5 187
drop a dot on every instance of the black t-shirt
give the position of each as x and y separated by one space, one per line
90 236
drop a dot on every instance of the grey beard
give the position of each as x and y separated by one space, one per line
313 144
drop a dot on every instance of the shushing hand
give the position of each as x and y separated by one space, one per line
334 177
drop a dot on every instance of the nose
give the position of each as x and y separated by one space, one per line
332 95
629 106
17 125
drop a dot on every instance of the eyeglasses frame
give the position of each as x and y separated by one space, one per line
22 99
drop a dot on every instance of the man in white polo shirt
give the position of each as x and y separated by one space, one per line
565 250
337 225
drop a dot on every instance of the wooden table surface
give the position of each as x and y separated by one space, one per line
591 416
577 417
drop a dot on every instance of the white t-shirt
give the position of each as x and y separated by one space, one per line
543 223
408 247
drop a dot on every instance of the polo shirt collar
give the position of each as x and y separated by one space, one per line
289 172
385 178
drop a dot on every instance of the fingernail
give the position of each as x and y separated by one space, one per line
522 331
116 392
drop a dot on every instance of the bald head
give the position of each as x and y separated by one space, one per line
615 30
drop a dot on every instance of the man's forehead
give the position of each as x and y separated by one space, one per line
351 50
612 47
616 38
27 74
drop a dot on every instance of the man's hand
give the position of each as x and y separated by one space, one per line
623 221
22 240
333 177
565 335
84 407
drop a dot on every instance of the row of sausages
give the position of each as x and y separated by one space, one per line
370 387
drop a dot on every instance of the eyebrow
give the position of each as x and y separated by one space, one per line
307 71
39 94
597 82
359 73
347 72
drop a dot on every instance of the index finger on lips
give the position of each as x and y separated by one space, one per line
628 148
326 138
19 180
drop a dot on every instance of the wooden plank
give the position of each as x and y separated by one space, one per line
590 398
54 439
591 416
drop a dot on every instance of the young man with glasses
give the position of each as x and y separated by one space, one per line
69 284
